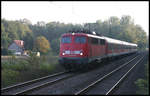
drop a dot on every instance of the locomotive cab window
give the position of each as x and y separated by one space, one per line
80 39
66 39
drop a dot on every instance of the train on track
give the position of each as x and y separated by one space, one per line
77 49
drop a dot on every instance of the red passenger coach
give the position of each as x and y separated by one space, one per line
79 49
117 47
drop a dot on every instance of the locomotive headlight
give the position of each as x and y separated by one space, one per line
63 53
81 53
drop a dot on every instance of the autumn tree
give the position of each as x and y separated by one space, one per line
42 44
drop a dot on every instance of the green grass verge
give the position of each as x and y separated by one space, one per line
20 70
143 84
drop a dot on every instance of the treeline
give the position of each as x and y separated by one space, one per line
122 29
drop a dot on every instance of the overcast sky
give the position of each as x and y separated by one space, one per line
76 12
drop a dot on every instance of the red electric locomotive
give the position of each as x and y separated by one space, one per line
79 49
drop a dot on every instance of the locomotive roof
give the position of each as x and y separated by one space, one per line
109 40
83 34
70 34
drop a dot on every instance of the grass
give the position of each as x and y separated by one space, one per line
143 84
9 77
16 70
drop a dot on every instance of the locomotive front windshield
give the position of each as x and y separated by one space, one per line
66 39
80 39
77 39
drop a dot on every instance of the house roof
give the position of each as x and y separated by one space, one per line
20 43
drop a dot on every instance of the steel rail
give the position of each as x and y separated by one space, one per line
117 84
102 78
32 81
42 85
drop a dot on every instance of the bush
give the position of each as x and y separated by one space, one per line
20 66
9 77
143 84
5 51
33 60
17 66
45 66
47 63
19 70
5 65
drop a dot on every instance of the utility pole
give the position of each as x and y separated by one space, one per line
89 26
110 27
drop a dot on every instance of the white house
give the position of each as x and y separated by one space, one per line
17 47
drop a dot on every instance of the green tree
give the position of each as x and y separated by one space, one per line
55 45
28 41
5 40
42 44
126 20
25 21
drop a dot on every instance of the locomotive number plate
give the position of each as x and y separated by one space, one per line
72 52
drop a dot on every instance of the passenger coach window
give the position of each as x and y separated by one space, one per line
66 40
80 39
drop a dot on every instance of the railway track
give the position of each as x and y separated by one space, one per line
35 84
109 82
58 89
